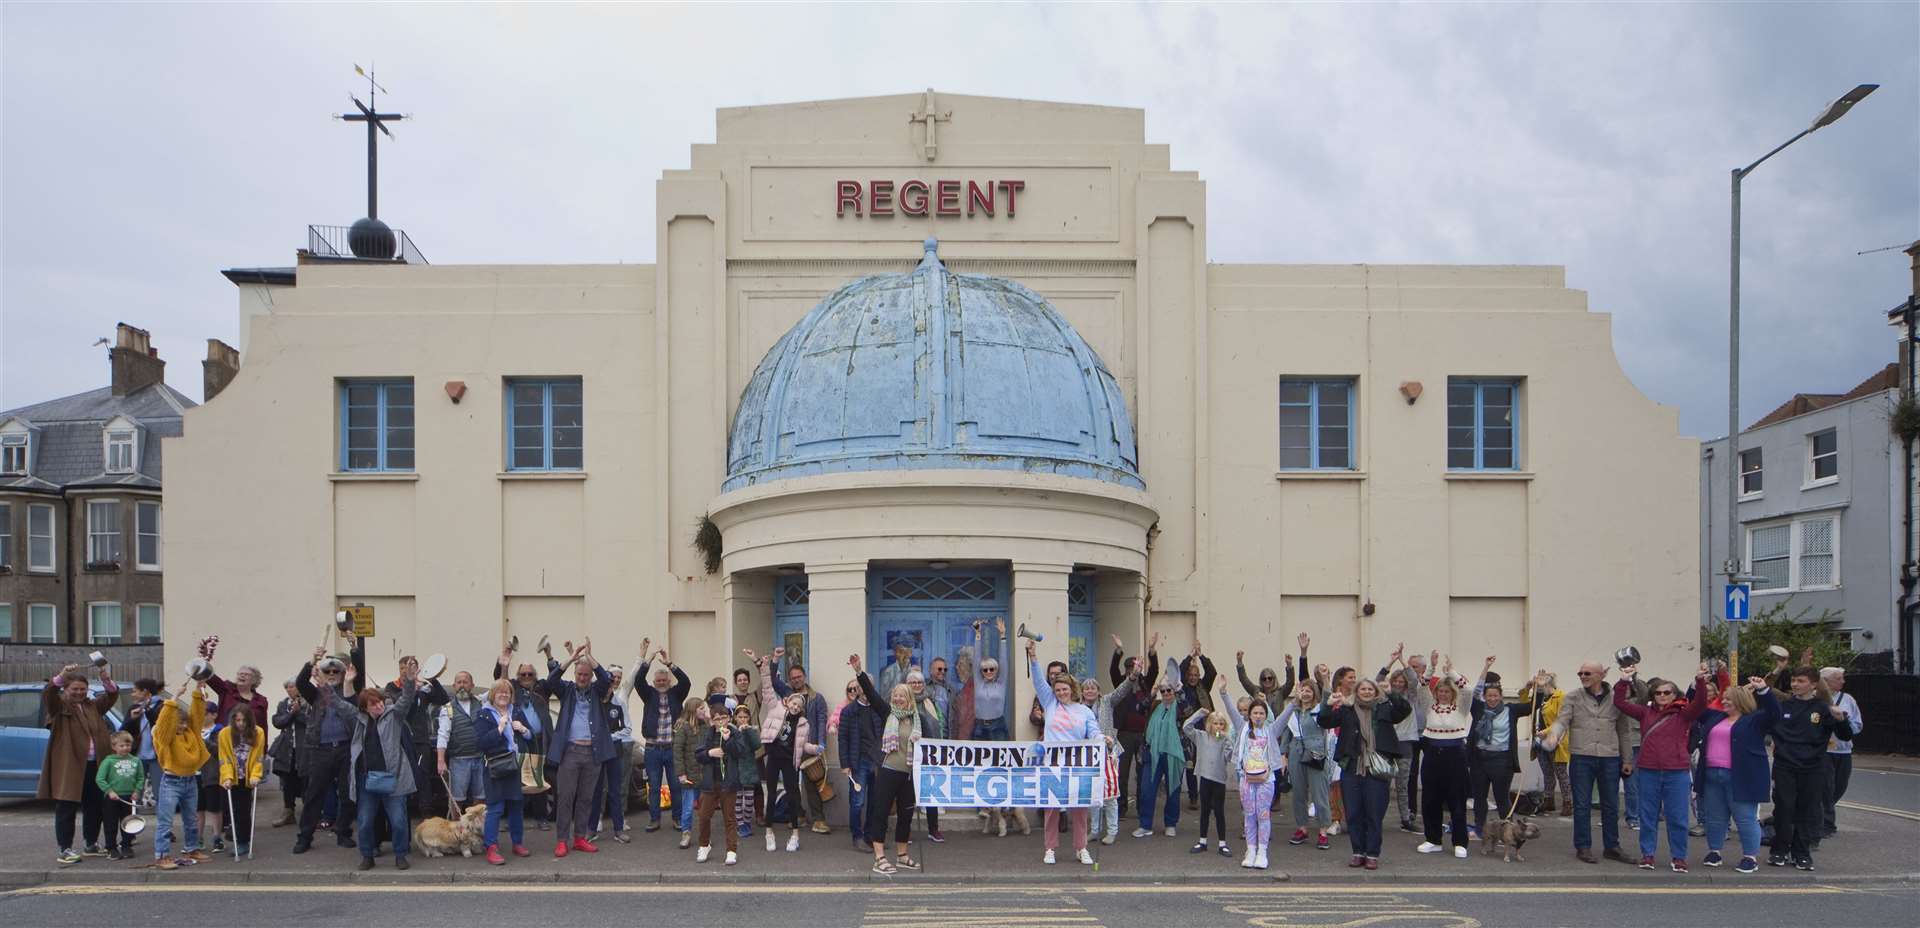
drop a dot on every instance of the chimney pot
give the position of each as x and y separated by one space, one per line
136 363
218 370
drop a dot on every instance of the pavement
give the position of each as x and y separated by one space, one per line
1878 844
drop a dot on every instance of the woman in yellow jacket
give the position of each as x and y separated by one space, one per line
1546 699
243 751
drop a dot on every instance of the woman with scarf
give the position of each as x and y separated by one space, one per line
902 727
503 728
1256 754
1063 719
1304 746
1368 749
1163 754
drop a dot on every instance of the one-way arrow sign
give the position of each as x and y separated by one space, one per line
1739 595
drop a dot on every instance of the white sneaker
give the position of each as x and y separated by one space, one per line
705 852
1143 832
1111 835
1047 859
1460 852
771 845
1003 827
1428 847
1335 829
1260 861
1086 857
732 858
1170 831
1247 861
793 842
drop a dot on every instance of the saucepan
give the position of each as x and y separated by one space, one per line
133 824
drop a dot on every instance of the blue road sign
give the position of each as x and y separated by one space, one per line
1739 597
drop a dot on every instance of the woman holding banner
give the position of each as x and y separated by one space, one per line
902 727
1064 719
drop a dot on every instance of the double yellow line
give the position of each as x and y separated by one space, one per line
1883 810
1277 889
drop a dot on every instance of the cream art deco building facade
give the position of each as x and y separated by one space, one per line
1058 412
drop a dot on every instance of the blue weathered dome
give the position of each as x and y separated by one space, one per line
932 369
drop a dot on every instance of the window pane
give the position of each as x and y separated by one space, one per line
567 458
149 516
1497 395
1333 438
149 623
400 417
40 622
532 416
1335 457
1297 392
1295 416
363 417
399 438
1460 416
1825 443
1499 438
1816 570
1294 457
368 439
528 458
528 394
566 438
1816 536
6 621
566 393
148 551
103 623
1460 459
1825 467
358 459
1460 439
1772 541
399 394
566 415
400 459
1772 574
1460 394
1497 458
363 394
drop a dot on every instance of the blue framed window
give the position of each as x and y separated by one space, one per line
1316 424
545 424
376 425
1483 424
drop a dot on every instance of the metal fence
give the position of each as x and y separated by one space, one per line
332 242
1890 703
37 663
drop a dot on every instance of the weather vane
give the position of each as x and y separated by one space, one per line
375 120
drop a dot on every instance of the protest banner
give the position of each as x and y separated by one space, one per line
1009 775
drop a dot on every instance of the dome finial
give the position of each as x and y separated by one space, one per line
931 247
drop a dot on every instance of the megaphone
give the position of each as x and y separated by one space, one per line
1023 633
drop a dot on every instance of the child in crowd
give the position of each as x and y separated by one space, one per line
121 778
1212 746
1256 753
181 752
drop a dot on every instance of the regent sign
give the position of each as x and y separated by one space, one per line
883 198
998 774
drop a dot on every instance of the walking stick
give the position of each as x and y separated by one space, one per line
253 820
232 826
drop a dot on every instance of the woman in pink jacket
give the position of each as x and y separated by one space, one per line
786 736
1665 766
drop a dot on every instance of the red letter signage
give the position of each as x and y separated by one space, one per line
947 199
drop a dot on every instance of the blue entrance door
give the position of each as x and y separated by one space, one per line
932 613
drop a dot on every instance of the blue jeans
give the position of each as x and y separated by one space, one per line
610 791
513 810
1366 801
689 797
370 805
990 729
1160 771
1664 793
180 794
1717 805
1632 787
659 762
857 791
1587 772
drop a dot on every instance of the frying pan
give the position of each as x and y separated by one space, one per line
133 824
435 665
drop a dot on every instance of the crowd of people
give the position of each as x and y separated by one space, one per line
557 751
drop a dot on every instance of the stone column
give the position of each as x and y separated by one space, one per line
836 623
746 615
1040 601
1119 608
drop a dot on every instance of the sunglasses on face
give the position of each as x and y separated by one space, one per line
1667 693
851 690
1586 673
528 675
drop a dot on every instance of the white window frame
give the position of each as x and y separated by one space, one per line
1811 480
1759 473
93 616
52 612
140 534
52 537
97 537
6 533
120 440
15 451
6 622
139 623
1796 549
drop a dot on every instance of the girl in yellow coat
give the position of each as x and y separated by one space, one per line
243 751
1546 698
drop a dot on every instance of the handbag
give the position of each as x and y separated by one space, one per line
380 783
503 764
1378 766
533 774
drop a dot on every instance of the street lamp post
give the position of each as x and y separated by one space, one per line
1829 116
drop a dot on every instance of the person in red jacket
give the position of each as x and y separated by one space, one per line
1665 765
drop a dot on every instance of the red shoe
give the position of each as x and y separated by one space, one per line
493 856
1299 836
1373 863
585 847
520 850
1323 843
560 849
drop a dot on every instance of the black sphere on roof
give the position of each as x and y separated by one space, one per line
370 238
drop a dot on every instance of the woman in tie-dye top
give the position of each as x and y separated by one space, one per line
1064 719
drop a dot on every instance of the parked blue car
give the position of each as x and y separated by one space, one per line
23 736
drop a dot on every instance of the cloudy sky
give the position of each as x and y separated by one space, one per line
143 148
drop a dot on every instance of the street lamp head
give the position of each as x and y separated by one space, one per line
1839 108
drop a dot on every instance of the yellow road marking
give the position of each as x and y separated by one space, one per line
1883 810
1296 890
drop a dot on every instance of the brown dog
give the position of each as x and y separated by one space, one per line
1512 831
443 837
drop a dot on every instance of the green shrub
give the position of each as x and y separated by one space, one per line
1772 625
